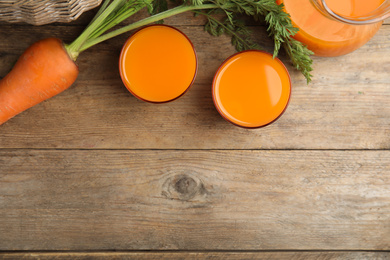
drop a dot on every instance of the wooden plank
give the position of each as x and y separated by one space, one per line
346 106
203 255
194 200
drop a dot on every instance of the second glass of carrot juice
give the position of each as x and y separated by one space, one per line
251 89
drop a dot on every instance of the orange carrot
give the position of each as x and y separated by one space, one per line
48 66
43 71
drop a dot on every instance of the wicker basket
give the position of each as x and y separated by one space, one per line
39 12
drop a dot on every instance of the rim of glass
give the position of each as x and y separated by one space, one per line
121 58
376 16
223 114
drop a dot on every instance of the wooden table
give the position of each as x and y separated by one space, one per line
94 172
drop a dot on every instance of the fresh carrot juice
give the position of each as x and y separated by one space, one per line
251 89
158 64
327 37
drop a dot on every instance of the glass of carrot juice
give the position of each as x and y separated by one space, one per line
251 89
158 63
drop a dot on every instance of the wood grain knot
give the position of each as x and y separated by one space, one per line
183 187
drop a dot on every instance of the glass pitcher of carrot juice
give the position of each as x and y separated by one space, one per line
336 27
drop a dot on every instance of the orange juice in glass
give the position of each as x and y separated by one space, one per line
251 89
158 64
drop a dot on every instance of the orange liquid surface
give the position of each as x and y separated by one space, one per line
251 89
158 63
353 8
326 37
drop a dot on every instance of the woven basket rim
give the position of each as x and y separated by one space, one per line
40 12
